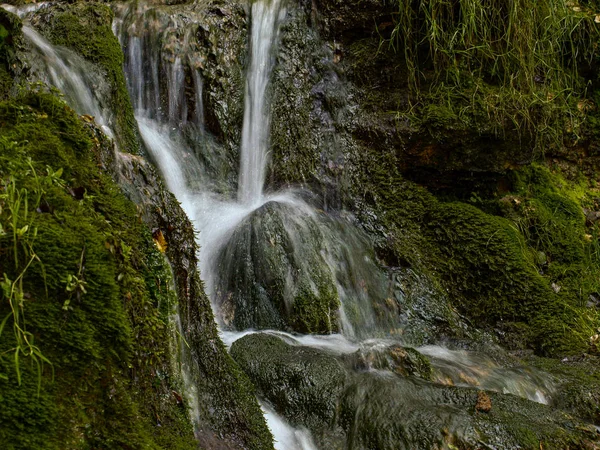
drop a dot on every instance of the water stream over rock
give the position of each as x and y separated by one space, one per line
271 260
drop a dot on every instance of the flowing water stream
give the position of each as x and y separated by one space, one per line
170 116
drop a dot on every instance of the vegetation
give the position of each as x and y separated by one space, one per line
523 265
502 66
84 289
66 25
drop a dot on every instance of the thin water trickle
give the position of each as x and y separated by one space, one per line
256 128
73 76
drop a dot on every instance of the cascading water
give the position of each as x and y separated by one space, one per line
73 76
238 230
167 93
163 134
255 132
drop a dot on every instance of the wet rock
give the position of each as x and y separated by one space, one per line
274 274
379 409
385 413
577 381
404 361
303 384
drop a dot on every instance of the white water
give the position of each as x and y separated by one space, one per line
73 76
23 10
215 216
286 437
256 128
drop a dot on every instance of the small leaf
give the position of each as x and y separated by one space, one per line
17 369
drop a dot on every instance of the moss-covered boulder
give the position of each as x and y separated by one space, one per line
301 383
274 275
65 25
384 400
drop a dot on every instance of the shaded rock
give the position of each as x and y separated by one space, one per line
303 384
404 361
379 409
396 413
274 274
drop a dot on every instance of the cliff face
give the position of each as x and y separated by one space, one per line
474 167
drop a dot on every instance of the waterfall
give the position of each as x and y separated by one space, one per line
73 76
255 131
172 128
214 215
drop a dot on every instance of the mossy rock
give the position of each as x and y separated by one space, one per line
301 383
388 409
488 264
275 275
404 361
106 335
577 384
10 42
65 25
400 413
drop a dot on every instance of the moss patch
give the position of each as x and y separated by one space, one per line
110 379
489 264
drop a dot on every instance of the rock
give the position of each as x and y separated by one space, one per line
274 275
403 413
400 360
379 409
302 383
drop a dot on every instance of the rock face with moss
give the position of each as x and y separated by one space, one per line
436 181
394 406
273 274
87 295
422 119
65 25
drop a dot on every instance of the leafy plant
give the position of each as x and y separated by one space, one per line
17 222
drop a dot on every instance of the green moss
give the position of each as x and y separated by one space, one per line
489 264
10 36
577 382
110 381
301 383
65 25
314 312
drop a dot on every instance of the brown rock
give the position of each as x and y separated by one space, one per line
484 402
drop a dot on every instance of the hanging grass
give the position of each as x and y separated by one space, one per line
519 64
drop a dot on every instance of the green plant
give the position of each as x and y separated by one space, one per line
512 64
14 208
